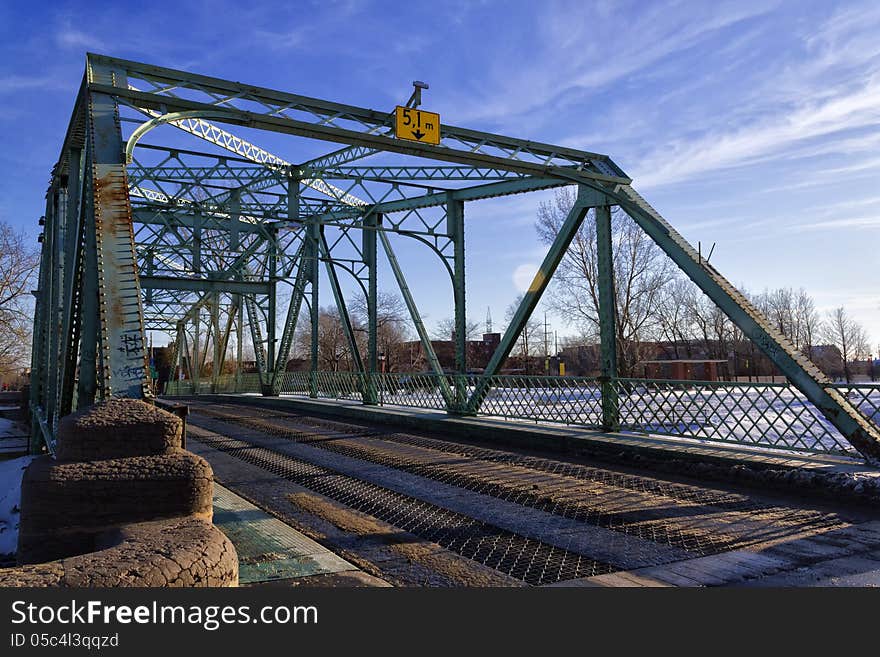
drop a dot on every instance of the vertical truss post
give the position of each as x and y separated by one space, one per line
52 235
238 302
455 220
293 312
197 244
271 320
372 222
278 364
215 328
417 321
174 377
196 355
607 319
239 343
124 366
224 338
40 357
71 281
59 241
313 240
150 267
532 296
186 364
87 386
256 337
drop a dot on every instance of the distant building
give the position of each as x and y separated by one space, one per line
686 369
828 358
581 360
478 353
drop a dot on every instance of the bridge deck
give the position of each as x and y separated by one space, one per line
419 508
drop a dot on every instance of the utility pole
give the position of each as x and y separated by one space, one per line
546 346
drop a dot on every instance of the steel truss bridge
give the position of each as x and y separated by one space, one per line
205 245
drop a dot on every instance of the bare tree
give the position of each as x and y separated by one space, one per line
530 338
392 329
845 333
334 349
445 330
674 320
641 271
18 266
793 313
334 353
807 322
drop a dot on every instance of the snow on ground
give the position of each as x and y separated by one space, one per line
765 415
11 472
769 415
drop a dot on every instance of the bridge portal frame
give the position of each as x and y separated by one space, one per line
143 237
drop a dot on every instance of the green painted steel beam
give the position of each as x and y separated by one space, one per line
532 296
289 330
378 142
124 367
341 306
425 339
403 173
312 246
324 111
253 317
293 309
475 193
272 319
87 385
153 216
233 270
216 340
204 285
195 357
70 330
607 319
805 376
222 159
455 221
369 251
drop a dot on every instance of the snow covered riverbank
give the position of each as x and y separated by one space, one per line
11 471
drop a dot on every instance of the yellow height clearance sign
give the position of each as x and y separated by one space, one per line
417 125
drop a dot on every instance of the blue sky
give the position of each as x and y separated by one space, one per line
754 125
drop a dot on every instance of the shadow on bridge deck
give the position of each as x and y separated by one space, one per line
840 474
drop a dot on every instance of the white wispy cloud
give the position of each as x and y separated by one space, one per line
69 37
763 141
575 47
824 102
869 222
14 83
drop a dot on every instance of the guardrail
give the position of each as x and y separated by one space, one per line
759 414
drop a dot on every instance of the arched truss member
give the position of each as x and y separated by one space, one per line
159 237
